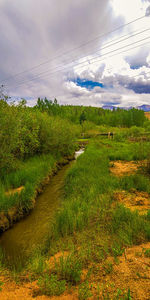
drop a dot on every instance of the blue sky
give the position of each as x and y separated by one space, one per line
71 50
88 84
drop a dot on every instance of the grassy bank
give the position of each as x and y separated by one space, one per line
19 189
92 226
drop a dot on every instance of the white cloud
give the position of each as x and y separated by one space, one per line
34 31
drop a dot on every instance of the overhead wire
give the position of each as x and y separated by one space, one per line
76 48
107 45
92 61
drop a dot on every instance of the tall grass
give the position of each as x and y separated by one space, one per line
129 227
30 174
89 183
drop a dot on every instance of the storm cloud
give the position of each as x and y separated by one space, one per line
40 47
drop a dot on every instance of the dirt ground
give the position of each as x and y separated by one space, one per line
122 168
147 114
129 272
13 191
134 200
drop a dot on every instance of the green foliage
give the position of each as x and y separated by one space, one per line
88 185
84 291
37 263
69 268
117 250
147 253
25 132
50 285
98 116
1 284
29 175
129 226
137 181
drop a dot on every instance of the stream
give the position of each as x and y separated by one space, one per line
24 237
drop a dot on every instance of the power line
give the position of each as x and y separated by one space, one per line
91 61
122 75
69 51
107 45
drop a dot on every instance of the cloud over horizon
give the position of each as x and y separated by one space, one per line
44 39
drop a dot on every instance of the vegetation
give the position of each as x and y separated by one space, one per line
31 144
98 116
91 225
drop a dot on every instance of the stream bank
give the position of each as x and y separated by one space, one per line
16 213
30 232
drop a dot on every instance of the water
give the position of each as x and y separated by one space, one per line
30 233
78 153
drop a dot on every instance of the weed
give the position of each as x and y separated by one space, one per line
129 226
37 263
117 250
69 268
147 253
108 267
84 291
50 285
1 284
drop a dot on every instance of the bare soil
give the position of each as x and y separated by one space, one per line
131 271
147 114
128 273
121 168
134 200
13 191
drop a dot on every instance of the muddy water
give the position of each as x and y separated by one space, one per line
19 241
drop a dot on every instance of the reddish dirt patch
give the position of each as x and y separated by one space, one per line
134 200
121 168
21 291
131 272
13 191
57 257
147 114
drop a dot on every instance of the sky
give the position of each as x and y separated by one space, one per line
83 52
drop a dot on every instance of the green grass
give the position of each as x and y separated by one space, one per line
50 285
89 224
30 174
89 181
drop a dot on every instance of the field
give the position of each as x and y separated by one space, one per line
100 243
98 246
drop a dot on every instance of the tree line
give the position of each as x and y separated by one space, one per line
99 116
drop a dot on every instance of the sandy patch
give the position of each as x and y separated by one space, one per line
122 168
147 115
28 291
129 273
56 257
13 191
134 200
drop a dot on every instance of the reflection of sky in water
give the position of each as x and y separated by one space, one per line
78 153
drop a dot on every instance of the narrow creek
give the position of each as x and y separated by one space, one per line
18 242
